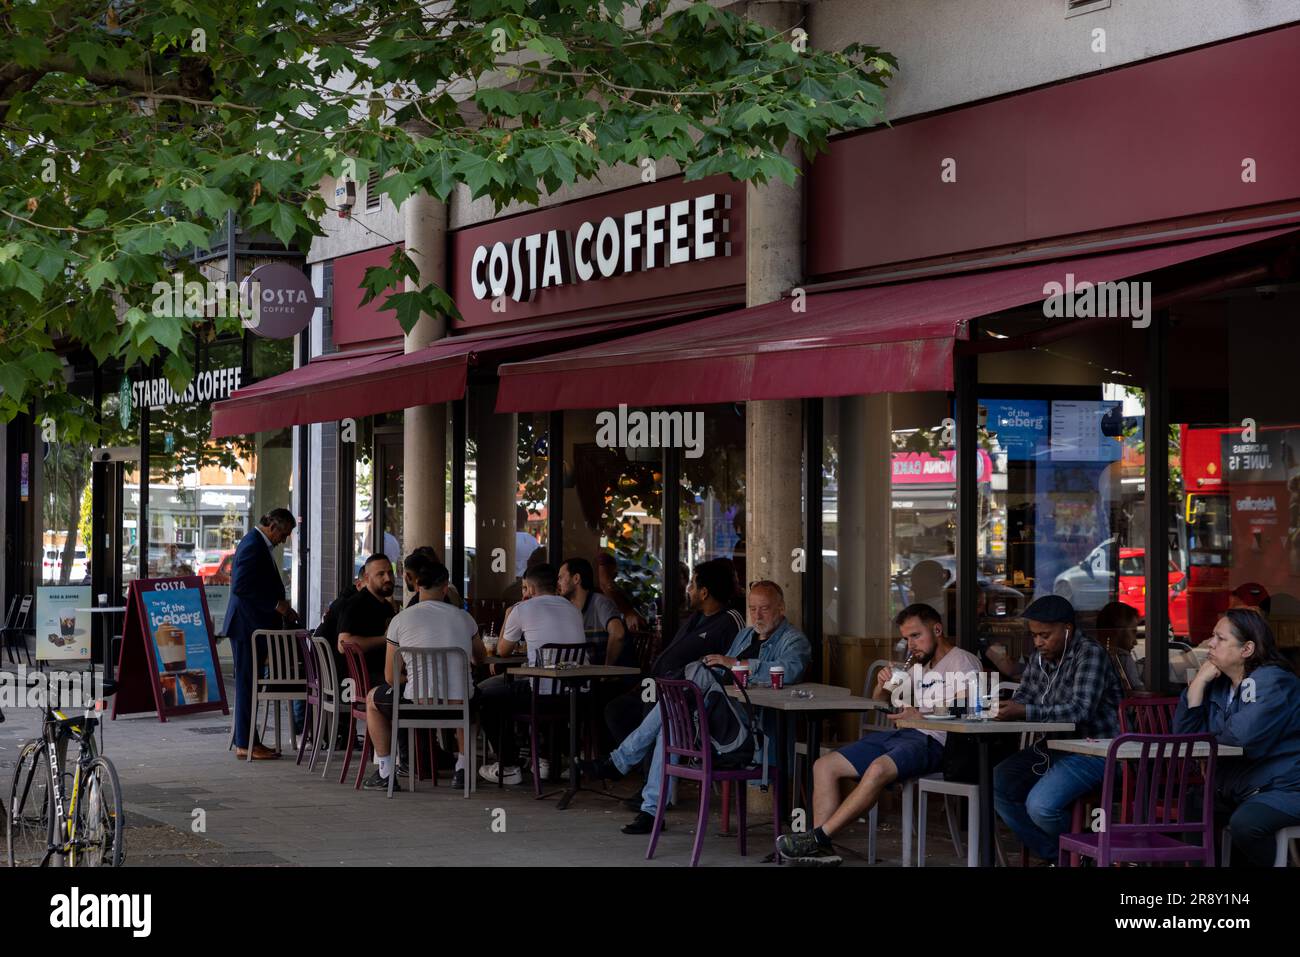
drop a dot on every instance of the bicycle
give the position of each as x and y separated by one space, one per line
75 814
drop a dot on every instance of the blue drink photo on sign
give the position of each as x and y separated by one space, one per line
178 626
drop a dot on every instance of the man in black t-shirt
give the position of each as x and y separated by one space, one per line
711 628
364 620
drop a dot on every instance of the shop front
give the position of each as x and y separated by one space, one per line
1038 378
125 481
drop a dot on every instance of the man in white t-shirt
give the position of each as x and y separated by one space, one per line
542 618
883 757
430 623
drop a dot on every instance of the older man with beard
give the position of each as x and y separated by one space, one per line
769 640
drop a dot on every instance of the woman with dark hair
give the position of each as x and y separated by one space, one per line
1245 694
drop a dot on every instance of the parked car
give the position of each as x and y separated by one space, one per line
52 565
212 565
1091 583
1133 588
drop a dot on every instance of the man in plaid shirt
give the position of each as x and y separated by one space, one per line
1071 678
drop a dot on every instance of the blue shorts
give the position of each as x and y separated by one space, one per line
913 753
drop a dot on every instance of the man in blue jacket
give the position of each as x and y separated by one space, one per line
768 640
257 601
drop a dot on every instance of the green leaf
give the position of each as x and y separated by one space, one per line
95 218
100 272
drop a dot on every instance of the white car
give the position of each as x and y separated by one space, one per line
1092 583
52 566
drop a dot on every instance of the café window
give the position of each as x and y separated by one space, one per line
1234 446
1064 426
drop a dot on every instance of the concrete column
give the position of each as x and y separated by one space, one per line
774 522
865 506
496 485
424 504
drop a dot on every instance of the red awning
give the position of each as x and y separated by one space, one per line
345 385
888 338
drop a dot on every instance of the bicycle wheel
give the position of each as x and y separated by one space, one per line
99 817
30 815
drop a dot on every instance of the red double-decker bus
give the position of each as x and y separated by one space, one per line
1241 515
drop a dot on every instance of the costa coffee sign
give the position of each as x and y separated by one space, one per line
284 300
648 244
665 235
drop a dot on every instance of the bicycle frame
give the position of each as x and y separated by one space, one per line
56 735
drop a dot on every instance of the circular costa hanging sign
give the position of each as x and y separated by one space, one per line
276 301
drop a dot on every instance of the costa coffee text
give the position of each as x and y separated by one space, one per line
668 235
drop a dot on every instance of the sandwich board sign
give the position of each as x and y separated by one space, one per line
168 660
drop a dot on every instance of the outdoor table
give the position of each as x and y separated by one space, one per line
1132 750
571 677
788 706
984 729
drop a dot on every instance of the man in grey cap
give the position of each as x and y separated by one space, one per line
1070 678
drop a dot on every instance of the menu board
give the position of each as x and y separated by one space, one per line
1086 431
62 632
168 660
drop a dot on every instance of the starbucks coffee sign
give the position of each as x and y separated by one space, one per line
207 386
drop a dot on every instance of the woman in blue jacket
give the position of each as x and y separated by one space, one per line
1247 695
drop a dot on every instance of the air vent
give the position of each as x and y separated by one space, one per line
373 200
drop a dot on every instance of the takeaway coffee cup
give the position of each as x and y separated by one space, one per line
740 671
171 646
777 674
193 686
168 683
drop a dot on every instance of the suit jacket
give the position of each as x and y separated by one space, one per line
255 589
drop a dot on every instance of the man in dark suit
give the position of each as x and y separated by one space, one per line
257 601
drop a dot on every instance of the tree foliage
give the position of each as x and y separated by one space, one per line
130 129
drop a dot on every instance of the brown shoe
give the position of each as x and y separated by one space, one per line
260 753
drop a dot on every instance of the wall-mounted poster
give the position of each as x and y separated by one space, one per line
62 632
1020 425
168 652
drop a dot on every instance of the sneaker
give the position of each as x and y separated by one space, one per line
377 782
458 780
803 849
643 823
493 774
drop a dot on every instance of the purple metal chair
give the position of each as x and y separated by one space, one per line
687 739
1160 815
311 719
356 711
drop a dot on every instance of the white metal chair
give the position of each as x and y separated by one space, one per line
1284 838
935 784
431 706
330 704
285 680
